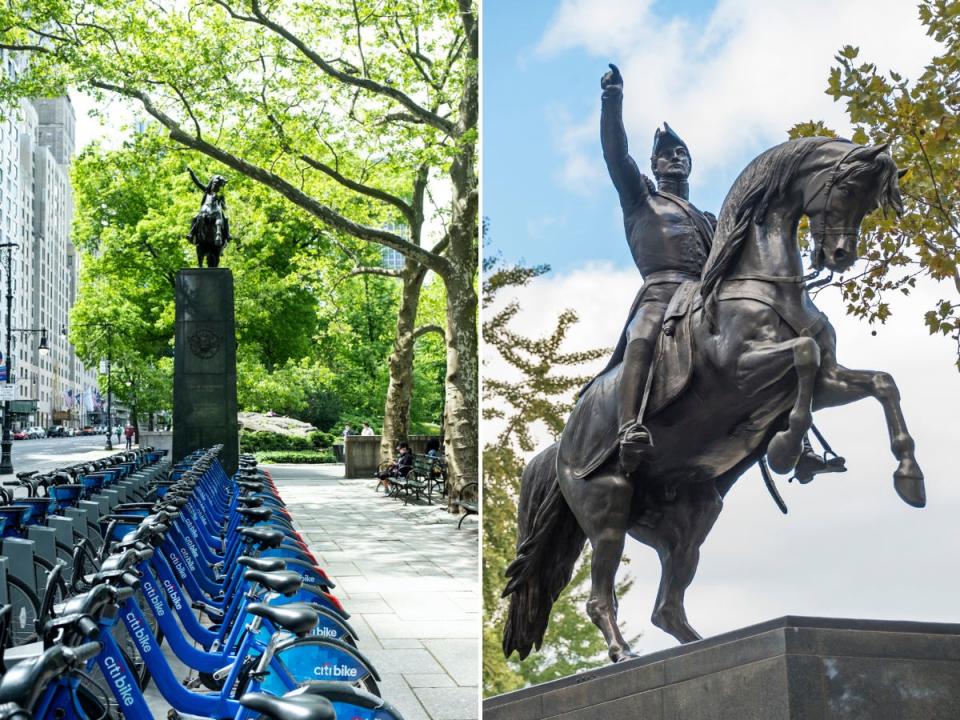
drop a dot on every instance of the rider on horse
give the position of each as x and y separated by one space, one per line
210 230
670 240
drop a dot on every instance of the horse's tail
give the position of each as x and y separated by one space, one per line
549 541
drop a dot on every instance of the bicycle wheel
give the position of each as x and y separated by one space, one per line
26 607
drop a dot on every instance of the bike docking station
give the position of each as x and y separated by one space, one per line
210 565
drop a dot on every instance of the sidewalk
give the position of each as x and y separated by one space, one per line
409 579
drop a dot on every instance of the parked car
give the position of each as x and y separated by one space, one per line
56 431
36 432
86 430
20 435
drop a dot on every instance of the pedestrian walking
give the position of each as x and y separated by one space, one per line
128 434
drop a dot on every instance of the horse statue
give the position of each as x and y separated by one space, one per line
210 230
745 361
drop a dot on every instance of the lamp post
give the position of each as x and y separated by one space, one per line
6 443
109 327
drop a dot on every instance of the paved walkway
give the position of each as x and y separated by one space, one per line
409 579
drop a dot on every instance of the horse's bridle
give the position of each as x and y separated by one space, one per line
827 188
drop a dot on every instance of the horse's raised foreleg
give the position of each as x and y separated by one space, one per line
763 365
677 538
602 508
837 385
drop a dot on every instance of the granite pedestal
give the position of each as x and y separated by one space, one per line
792 668
205 365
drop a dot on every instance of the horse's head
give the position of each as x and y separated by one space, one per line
852 181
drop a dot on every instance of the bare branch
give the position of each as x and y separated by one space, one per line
424 329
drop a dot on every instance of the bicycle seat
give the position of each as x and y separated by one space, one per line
290 707
298 620
343 692
256 514
251 485
285 582
27 474
265 537
263 565
251 501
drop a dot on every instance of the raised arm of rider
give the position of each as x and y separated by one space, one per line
196 180
626 176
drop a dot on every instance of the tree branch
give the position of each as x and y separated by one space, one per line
439 265
359 82
424 329
360 187
385 272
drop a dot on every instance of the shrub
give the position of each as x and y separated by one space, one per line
321 439
261 441
295 456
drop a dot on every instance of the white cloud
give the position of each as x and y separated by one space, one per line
737 84
849 547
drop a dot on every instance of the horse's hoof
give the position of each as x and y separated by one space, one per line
908 482
621 655
783 451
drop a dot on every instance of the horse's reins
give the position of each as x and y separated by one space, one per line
822 232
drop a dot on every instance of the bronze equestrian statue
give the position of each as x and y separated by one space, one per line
210 230
747 360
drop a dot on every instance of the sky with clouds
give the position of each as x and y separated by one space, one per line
731 77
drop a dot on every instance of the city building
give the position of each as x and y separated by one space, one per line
36 211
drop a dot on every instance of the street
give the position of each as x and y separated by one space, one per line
50 453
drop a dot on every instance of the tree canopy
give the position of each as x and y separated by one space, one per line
311 338
919 119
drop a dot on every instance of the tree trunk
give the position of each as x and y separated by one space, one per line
396 412
460 405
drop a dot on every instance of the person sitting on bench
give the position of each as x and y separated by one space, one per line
400 468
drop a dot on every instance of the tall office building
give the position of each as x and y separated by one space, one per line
36 211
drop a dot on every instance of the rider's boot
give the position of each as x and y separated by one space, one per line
636 443
812 463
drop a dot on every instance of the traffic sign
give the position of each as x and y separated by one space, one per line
8 392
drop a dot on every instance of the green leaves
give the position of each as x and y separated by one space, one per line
919 119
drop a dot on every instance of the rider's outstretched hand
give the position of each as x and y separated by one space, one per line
611 78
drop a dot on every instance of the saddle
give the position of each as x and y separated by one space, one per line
590 436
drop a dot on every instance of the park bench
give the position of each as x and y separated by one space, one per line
406 484
469 506
432 471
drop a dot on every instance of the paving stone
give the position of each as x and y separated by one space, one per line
460 658
409 580
449 703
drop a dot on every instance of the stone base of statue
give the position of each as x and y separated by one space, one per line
792 668
205 365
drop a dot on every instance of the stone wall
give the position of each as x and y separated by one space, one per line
157 439
363 453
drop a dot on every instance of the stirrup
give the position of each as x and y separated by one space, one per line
811 464
636 445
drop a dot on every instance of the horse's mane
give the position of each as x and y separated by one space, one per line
764 180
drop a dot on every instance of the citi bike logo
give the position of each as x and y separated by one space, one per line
325 632
175 561
151 592
138 632
119 679
174 595
328 669
188 560
192 546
